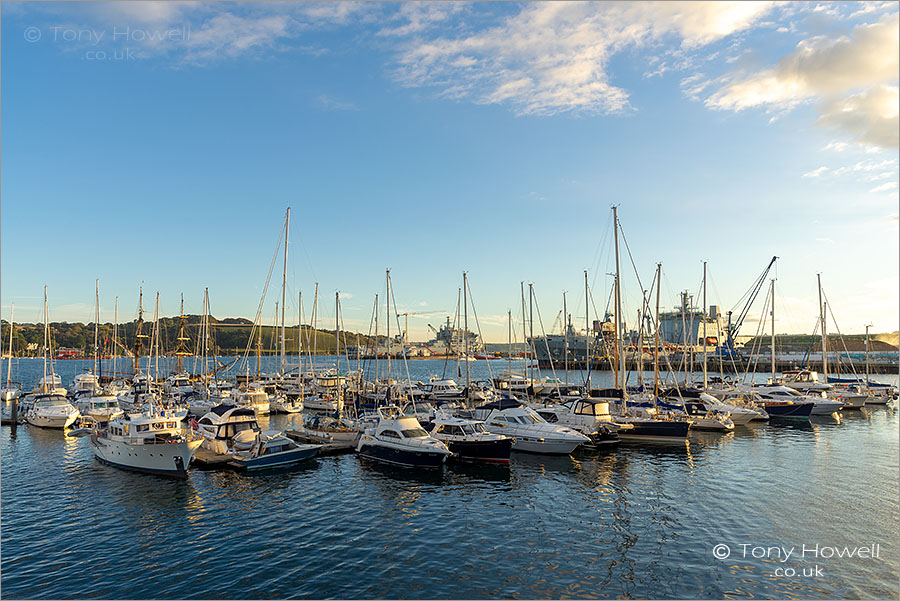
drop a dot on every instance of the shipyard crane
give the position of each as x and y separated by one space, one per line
750 295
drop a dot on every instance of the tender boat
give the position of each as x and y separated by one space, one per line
86 385
400 440
152 441
470 440
531 432
272 449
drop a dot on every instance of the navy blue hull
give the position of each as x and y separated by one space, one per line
656 430
402 457
277 460
797 411
490 451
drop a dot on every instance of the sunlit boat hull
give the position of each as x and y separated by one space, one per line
165 459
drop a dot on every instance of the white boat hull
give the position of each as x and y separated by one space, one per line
544 446
169 459
51 420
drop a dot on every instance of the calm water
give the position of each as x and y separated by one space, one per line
637 521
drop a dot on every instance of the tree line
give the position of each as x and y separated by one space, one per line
228 336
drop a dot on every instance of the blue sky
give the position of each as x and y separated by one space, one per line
160 144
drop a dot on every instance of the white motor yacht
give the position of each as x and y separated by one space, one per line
227 427
153 441
51 411
531 432
100 407
400 440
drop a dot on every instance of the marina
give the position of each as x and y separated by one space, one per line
439 300
622 515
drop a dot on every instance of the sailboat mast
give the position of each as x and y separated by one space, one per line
705 377
138 344
300 340
524 333
376 337
12 309
287 224
824 336
619 302
565 340
156 336
46 340
531 328
115 349
466 334
588 360
509 341
773 331
337 333
867 354
656 333
96 324
387 318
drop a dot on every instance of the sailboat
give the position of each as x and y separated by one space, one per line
49 408
646 423
10 389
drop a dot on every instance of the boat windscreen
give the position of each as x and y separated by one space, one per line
414 433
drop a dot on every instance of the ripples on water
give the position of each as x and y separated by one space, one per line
637 521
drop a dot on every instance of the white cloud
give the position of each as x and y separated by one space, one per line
554 57
816 172
851 77
836 146
884 187
330 103
870 117
420 16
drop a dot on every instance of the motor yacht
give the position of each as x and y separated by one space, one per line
531 432
400 440
152 441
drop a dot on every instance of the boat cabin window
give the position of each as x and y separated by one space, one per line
414 433
584 409
550 417
389 434
478 428
141 427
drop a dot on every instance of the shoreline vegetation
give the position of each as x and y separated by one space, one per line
231 336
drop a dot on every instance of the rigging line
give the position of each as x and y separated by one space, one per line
392 297
544 334
478 325
841 336
262 300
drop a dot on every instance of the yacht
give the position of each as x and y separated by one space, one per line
470 440
587 415
272 449
443 390
51 411
400 440
226 427
648 420
329 429
86 385
698 402
531 432
822 405
101 407
152 441
252 398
